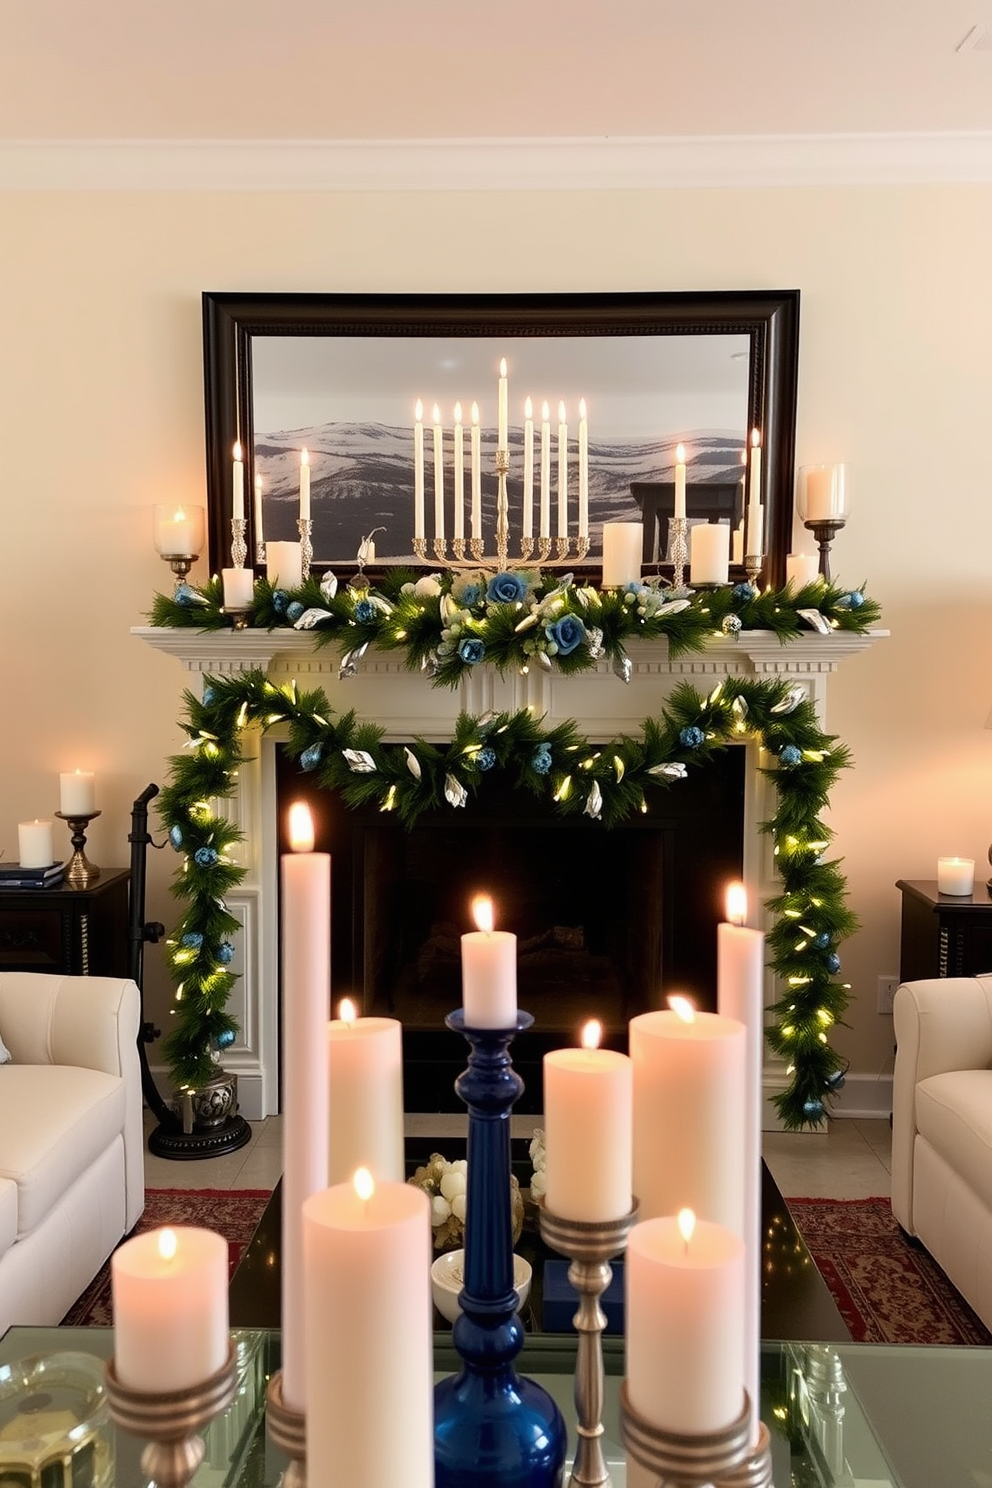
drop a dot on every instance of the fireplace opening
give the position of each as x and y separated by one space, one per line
609 921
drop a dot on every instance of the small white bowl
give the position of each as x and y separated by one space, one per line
448 1278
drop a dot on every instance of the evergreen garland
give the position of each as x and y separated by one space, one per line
605 781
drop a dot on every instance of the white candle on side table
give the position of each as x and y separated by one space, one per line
365 1084
956 876
35 844
77 793
801 568
588 1123
489 971
306 976
170 1308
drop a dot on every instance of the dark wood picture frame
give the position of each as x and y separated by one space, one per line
769 319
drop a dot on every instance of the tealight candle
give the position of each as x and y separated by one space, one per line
365 1079
588 1119
35 844
489 971
956 876
170 1308
77 793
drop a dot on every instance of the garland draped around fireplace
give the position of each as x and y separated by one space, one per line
605 781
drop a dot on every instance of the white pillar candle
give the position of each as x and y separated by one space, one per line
489 972
545 515
527 519
588 1125
740 994
170 1308
306 976
178 530
501 414
284 564
685 1324
623 548
77 793
239 587
35 844
826 492
459 443
562 472
369 1405
238 484
583 470
956 876
688 1114
476 463
801 568
709 553
418 470
365 1083
304 485
438 474
680 480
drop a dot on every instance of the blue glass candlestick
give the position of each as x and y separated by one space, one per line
491 1425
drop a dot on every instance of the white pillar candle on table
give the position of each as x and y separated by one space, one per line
438 474
238 484
170 1308
369 1404
35 844
501 413
284 564
679 480
489 972
418 470
306 976
178 530
545 515
527 519
685 1324
709 553
740 994
588 1126
239 587
955 875
689 1114
562 472
365 1084
304 485
623 550
583 470
801 568
77 793
459 497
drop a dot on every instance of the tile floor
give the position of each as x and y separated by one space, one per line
851 1160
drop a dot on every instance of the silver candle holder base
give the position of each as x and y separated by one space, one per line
172 1420
703 1459
679 549
305 527
590 1245
288 1429
239 545
752 567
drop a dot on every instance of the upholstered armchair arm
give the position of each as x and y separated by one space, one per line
940 1025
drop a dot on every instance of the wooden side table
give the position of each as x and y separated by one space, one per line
72 932
944 935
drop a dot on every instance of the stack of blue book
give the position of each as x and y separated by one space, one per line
13 876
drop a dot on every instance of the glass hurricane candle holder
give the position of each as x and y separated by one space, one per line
180 532
822 503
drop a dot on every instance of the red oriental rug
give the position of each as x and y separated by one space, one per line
887 1287
233 1213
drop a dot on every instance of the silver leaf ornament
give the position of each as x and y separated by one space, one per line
360 761
311 618
594 640
412 763
673 771
622 668
594 801
790 702
329 585
819 622
454 792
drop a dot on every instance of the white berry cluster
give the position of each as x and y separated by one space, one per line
539 1162
446 1185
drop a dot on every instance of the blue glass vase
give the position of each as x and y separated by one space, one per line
492 1426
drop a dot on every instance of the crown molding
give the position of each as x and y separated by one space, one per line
579 164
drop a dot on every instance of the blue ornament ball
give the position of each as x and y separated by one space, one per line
226 1039
691 737
225 953
857 599
822 940
294 610
833 962
184 595
365 611
813 1109
205 857
310 758
744 592
280 599
192 940
789 754
541 762
486 758
837 1080
176 838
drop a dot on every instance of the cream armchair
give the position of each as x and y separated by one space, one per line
71 1139
942 1127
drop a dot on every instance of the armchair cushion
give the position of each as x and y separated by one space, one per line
954 1114
8 1214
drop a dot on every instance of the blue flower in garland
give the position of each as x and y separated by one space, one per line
541 760
294 610
789 754
364 611
205 857
567 633
176 838
310 758
506 588
744 592
192 940
467 592
225 953
833 962
485 759
691 737
280 599
471 650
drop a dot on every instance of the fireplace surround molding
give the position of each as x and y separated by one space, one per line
404 704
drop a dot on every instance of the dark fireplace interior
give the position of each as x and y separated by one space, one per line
609 921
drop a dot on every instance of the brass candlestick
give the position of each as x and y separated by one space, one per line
698 1459
80 872
171 1420
288 1429
590 1245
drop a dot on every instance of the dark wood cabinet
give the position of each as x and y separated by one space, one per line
75 932
944 934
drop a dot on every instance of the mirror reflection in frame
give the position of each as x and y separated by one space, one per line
340 376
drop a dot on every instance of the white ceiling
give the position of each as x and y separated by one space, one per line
474 69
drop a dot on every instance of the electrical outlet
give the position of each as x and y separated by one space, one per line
886 993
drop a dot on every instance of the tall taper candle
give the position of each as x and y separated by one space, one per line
476 462
489 971
527 520
418 470
304 486
238 485
562 472
754 534
501 417
459 520
680 480
438 474
545 518
583 470
306 978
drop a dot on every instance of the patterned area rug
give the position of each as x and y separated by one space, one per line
233 1213
887 1287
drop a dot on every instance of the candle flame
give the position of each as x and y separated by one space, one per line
237 449
475 413
168 1244
592 1034
755 438
347 1012
582 408
561 411
418 412
528 408
545 411
502 366
304 457
687 1223
364 1184
179 515
736 903
458 413
300 827
483 913
437 414
680 454
682 1007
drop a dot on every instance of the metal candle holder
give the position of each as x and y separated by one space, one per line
493 1428
678 528
239 548
305 527
172 1420
180 563
698 1459
80 872
288 1429
825 531
590 1246
752 567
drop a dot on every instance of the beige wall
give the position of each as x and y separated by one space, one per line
101 416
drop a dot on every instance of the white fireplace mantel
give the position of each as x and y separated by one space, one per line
405 704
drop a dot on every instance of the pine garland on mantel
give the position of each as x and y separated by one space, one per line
444 628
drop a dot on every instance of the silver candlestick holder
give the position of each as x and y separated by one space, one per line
239 547
305 527
752 567
590 1246
172 1420
80 872
288 1429
679 529
180 563
700 1459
